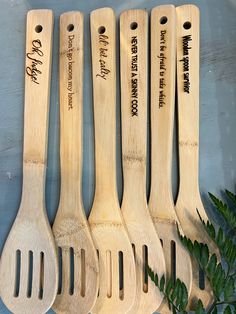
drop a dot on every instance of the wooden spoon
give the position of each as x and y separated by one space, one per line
146 244
188 114
29 269
116 260
79 286
161 204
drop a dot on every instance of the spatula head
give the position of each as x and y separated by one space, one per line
78 267
178 261
29 269
147 251
186 210
116 266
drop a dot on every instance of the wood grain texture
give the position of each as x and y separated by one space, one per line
31 230
133 71
188 115
161 204
106 221
70 228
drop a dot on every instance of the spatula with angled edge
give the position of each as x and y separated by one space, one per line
29 269
146 244
188 115
161 204
79 286
116 260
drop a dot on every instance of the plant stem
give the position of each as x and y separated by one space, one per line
214 304
233 274
175 307
226 302
228 271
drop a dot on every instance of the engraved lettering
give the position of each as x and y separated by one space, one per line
34 56
186 63
69 55
162 69
134 76
103 53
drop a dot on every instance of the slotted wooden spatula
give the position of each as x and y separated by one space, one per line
161 204
146 244
29 269
188 114
116 260
79 264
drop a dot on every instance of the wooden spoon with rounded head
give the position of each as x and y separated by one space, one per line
161 204
116 260
79 285
29 269
188 114
146 244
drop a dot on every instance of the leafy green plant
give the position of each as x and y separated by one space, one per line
220 274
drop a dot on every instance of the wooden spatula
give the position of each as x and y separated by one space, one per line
29 269
116 260
146 244
188 114
79 263
161 204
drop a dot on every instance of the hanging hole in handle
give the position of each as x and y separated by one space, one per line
70 27
133 25
101 30
38 28
163 20
187 25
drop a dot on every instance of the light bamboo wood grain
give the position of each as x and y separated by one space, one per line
189 199
161 204
133 71
70 228
31 230
106 221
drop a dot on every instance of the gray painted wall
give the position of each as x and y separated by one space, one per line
217 111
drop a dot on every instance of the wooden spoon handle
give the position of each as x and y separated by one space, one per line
163 64
102 23
188 95
71 110
133 72
37 95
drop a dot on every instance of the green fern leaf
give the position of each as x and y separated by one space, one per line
231 196
211 267
199 309
162 283
204 255
169 286
215 311
227 213
229 289
218 281
227 310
